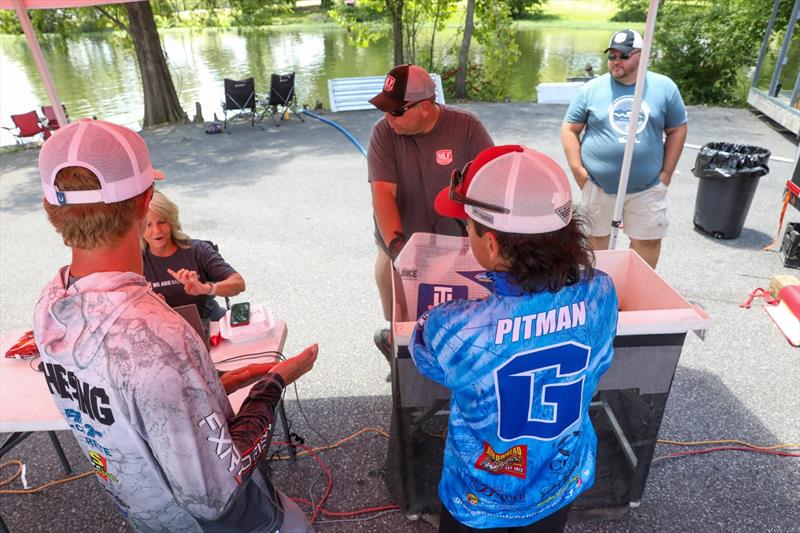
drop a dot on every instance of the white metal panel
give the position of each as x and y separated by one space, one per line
353 94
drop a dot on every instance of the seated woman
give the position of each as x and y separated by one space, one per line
183 270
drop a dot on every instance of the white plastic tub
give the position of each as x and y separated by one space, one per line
261 321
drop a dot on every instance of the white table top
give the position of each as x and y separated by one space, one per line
27 405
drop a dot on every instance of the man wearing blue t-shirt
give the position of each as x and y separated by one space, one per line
601 110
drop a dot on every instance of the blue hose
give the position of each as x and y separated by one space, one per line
340 128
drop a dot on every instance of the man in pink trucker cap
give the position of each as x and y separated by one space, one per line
523 364
413 149
131 377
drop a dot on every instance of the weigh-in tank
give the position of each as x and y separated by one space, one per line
626 411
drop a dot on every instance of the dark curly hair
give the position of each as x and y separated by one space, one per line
546 261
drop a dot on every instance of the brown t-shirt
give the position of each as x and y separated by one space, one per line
421 164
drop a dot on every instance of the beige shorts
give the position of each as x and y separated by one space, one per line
644 214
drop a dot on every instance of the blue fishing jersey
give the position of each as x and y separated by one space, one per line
522 369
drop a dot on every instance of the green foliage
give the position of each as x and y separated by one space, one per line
525 8
706 45
365 21
369 20
495 32
476 84
258 12
432 14
631 10
61 22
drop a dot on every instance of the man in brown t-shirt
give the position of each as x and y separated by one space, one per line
412 152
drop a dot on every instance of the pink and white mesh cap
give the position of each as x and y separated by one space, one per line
524 191
115 154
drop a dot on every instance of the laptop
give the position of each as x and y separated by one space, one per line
192 316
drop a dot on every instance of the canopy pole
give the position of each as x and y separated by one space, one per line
616 221
33 43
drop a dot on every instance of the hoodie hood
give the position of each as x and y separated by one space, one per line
71 322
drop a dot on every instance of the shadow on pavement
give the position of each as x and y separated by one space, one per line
725 491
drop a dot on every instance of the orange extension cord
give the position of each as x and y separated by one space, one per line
318 508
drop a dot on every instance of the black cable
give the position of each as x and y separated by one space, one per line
252 355
325 439
30 363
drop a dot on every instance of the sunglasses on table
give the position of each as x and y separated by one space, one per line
624 57
457 180
402 111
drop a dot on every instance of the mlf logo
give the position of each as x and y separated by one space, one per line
444 157
388 84
432 295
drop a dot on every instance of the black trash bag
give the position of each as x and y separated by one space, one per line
724 160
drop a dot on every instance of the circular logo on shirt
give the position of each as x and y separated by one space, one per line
619 115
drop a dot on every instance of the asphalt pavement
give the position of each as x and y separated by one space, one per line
290 209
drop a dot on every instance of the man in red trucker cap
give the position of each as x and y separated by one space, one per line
129 375
413 149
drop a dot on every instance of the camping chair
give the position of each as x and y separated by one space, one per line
27 125
240 97
281 93
51 118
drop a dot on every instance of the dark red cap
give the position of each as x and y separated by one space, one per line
403 85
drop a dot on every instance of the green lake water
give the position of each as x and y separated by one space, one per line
98 76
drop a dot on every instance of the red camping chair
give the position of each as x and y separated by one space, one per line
27 125
50 114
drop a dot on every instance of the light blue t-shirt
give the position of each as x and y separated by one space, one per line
522 368
604 105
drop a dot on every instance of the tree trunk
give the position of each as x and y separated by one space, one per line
395 8
463 53
161 104
433 33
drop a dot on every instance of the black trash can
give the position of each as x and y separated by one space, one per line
729 176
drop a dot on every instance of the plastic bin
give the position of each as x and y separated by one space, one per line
627 411
729 175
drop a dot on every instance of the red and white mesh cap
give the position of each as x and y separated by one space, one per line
509 188
115 154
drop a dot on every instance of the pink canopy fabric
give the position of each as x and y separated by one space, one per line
21 7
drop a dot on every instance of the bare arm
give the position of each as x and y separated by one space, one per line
289 370
384 205
234 380
294 367
571 141
673 146
230 286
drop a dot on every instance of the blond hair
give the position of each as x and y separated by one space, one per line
165 208
89 226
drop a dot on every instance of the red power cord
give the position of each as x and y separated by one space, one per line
328 488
